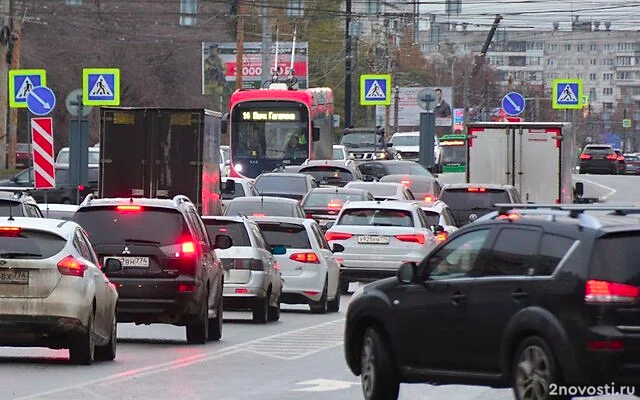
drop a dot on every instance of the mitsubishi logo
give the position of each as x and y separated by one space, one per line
126 250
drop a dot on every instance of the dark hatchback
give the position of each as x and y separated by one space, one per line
378 169
600 158
64 193
469 202
332 173
170 273
517 301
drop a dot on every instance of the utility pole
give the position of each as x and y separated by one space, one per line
16 50
347 66
5 37
388 52
239 44
266 44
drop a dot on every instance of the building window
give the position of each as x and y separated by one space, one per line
580 61
594 61
551 61
592 77
580 47
295 9
552 47
188 12
579 75
607 106
567 47
593 94
623 60
373 6
607 76
608 61
608 47
607 91
593 47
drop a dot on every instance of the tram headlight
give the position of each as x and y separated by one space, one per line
238 167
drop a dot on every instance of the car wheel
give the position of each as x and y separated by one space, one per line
108 351
198 330
320 306
261 310
82 351
377 375
534 369
215 324
274 311
334 305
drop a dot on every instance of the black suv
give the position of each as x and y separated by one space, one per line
528 299
18 204
599 158
469 201
170 273
368 144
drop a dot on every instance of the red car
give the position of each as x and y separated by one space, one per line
24 158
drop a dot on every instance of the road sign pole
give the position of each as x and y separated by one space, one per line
427 133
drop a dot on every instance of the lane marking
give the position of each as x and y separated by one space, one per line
181 362
601 198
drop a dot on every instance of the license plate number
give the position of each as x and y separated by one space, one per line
14 276
367 239
132 262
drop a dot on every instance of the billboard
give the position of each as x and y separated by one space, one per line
219 65
409 110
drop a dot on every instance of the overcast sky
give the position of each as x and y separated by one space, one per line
623 14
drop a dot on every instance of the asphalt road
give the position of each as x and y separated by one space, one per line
299 357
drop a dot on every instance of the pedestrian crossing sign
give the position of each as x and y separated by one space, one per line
567 94
101 87
21 82
375 90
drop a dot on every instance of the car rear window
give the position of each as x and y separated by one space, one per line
631 158
322 200
281 184
407 168
376 217
288 235
8 208
31 244
328 174
615 258
238 192
598 149
432 217
377 190
236 230
415 185
23 147
256 208
464 199
107 225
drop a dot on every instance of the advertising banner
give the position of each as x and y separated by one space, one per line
409 110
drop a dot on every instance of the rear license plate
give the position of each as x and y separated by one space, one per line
132 262
15 276
367 239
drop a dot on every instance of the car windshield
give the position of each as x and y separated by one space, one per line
376 189
361 139
406 140
338 154
470 199
376 217
94 156
23 147
330 200
406 168
328 174
291 236
258 208
107 225
236 230
31 244
281 184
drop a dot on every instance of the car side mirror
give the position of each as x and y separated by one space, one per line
329 225
224 123
223 242
437 229
579 189
407 272
316 134
368 178
389 144
278 250
112 265
230 186
337 248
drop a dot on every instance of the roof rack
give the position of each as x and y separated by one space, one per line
87 200
179 199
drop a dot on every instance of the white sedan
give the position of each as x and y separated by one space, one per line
53 292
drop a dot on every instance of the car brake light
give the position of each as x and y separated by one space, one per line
621 158
475 189
510 216
10 231
186 287
603 292
129 208
596 345
585 156
187 249
441 237
72 267
337 236
310 258
335 204
406 182
81 187
428 198
242 290
308 216
258 214
412 238
222 230
612 157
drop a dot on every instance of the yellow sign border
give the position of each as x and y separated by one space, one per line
554 94
377 77
101 71
13 103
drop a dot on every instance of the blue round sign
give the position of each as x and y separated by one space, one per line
513 104
41 100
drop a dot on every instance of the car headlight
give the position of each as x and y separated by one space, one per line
382 156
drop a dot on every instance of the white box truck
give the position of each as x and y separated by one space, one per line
537 158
